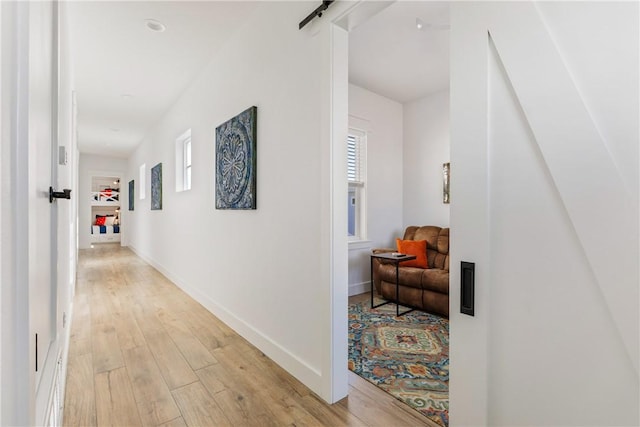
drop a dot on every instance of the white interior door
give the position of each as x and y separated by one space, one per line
29 72
41 213
42 128
544 199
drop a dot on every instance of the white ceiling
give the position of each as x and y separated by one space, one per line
388 55
114 54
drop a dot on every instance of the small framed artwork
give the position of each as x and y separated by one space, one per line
131 194
446 177
236 160
156 187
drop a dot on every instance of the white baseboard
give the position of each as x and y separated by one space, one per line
306 374
359 288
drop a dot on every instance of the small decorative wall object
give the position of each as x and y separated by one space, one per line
156 187
131 193
446 175
236 160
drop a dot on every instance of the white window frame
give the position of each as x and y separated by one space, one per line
187 164
142 179
184 162
357 180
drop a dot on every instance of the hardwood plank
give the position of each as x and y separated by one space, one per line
129 333
237 394
215 379
234 405
336 415
270 368
374 406
261 390
191 348
198 407
173 367
115 403
207 332
105 348
79 402
178 422
80 338
155 403
99 310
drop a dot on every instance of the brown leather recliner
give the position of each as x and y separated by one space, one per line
425 289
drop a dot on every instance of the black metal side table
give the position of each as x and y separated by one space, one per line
397 259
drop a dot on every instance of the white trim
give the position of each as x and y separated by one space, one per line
337 124
181 165
356 245
359 288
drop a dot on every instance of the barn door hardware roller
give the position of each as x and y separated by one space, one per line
64 194
318 12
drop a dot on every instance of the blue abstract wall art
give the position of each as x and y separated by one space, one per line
236 160
131 192
156 187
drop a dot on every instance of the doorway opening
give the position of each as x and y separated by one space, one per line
105 204
399 106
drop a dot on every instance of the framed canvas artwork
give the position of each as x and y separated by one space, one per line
446 177
236 160
131 194
156 187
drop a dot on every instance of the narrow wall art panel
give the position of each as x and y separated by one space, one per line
156 187
446 178
236 160
131 194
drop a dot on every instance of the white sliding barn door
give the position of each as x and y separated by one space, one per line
544 198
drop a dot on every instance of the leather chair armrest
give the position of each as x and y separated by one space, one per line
383 250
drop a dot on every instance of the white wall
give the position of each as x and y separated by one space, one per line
426 148
381 118
267 272
90 165
544 199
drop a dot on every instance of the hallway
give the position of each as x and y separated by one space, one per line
143 352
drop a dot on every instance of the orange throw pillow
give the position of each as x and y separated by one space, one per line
413 247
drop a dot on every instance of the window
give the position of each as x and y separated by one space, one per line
187 164
356 178
142 180
183 162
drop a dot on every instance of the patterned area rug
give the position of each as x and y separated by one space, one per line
406 356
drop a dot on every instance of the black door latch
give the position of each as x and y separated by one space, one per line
64 194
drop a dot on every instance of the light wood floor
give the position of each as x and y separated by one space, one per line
143 352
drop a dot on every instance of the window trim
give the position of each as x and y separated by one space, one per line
187 163
359 184
182 177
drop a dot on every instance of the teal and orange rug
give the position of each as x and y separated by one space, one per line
406 356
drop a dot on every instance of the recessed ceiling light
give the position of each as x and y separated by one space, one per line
154 25
115 130
424 26
126 96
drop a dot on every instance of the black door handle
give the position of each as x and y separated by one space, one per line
64 194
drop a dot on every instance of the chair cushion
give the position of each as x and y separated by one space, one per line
435 279
409 276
